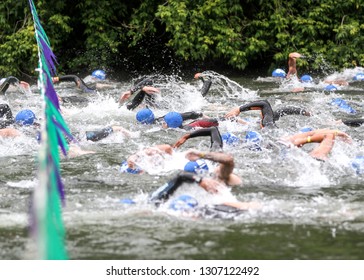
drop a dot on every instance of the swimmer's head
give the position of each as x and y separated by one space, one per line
330 88
305 129
198 166
25 117
279 73
253 140
230 138
99 74
124 168
358 164
359 77
183 203
173 119
306 79
145 116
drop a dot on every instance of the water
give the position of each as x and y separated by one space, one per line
310 209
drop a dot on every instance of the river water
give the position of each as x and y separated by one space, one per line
309 209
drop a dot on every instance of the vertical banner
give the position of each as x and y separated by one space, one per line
48 197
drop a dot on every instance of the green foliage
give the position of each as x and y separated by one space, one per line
88 34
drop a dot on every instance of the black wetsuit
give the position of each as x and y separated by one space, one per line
97 135
213 132
5 85
208 211
78 81
268 115
141 95
6 116
353 122
206 85
163 192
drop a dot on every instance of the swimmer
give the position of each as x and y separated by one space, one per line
96 77
213 132
222 177
154 154
97 135
268 115
24 119
175 119
144 90
6 82
325 138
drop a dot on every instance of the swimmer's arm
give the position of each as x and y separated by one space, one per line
196 133
226 161
191 115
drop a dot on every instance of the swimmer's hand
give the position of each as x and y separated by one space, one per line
180 141
210 185
193 154
233 113
124 96
197 75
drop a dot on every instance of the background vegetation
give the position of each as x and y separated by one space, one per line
155 35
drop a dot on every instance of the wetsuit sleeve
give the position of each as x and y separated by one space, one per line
354 122
99 134
140 84
191 115
163 192
290 110
78 81
137 100
5 85
206 87
213 132
266 109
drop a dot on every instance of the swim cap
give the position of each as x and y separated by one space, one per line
145 116
358 165
124 168
230 138
197 166
306 79
173 119
253 140
25 117
359 77
279 73
305 129
100 74
183 203
341 103
330 88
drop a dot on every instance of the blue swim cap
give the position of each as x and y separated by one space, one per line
358 165
124 168
305 129
279 73
173 119
306 79
230 138
359 77
330 88
197 166
25 117
253 140
183 203
145 116
100 74
341 103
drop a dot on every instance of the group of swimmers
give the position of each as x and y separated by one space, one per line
193 124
